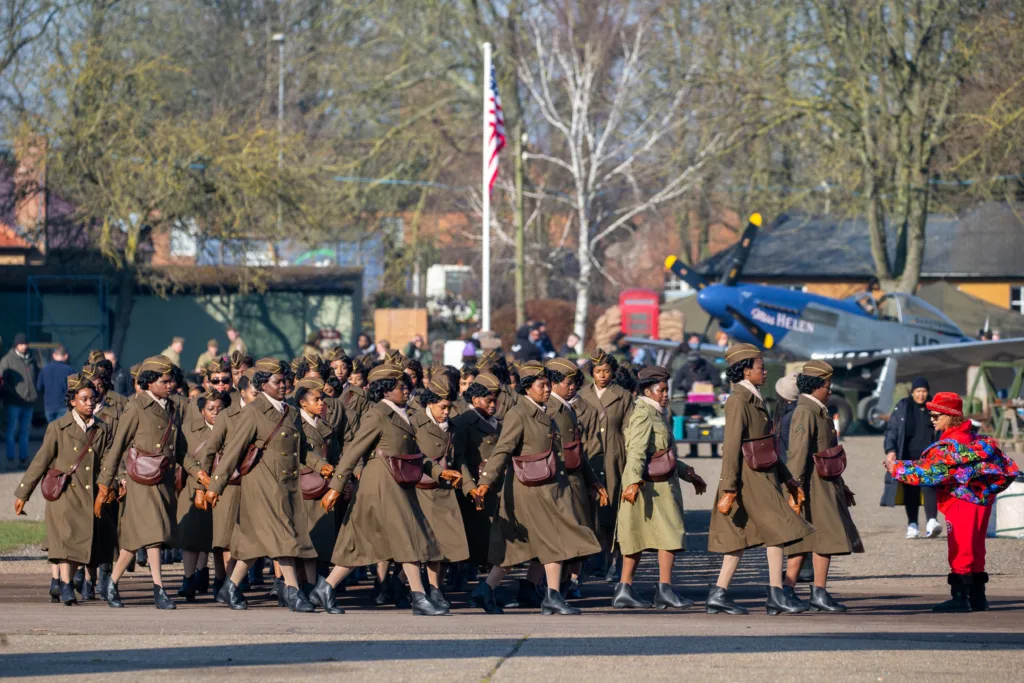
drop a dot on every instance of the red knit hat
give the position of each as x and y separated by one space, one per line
947 403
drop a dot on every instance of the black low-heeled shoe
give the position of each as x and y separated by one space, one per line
281 592
324 597
778 603
438 598
572 590
483 597
112 596
528 594
78 579
665 596
188 589
88 590
231 596
793 598
626 597
67 594
719 600
54 590
554 603
422 606
161 599
215 587
297 601
202 580
822 601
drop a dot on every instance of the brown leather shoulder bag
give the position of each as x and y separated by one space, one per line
255 450
405 469
145 467
55 482
426 482
313 485
534 469
830 462
660 465
760 454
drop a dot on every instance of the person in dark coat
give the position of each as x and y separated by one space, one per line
697 369
18 370
786 394
908 433
52 383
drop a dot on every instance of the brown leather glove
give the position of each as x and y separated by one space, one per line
726 501
630 494
793 485
850 500
699 485
19 507
211 498
599 494
204 479
122 491
478 495
329 499
327 471
101 497
348 490
797 501
453 477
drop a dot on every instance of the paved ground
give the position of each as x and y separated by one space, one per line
889 634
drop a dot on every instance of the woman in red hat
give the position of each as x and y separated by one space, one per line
968 472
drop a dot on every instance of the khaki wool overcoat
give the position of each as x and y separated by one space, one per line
583 477
760 515
810 432
323 450
474 439
533 522
195 526
441 504
613 408
225 514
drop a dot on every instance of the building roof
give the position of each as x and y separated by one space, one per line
984 243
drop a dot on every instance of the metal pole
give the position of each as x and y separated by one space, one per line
485 268
520 172
279 39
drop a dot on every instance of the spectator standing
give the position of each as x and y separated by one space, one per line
908 434
236 343
18 369
364 345
121 379
417 350
52 383
211 353
571 347
547 347
173 352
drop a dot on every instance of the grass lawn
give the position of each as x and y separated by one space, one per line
14 535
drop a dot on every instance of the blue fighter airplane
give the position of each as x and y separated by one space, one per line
872 342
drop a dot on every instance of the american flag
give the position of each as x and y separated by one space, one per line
496 125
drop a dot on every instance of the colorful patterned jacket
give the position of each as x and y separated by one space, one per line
973 472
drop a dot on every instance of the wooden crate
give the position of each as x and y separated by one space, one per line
399 325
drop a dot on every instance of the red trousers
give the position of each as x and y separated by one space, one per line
966 528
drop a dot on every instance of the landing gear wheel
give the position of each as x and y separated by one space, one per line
867 410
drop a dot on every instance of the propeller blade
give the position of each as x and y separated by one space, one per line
765 339
695 280
742 251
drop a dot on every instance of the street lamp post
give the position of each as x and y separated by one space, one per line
279 39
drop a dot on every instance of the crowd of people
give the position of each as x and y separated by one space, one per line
427 477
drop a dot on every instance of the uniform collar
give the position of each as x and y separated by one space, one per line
162 402
567 404
654 405
401 412
815 401
82 423
278 405
312 420
443 426
748 385
539 407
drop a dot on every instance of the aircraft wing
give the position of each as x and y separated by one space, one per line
933 359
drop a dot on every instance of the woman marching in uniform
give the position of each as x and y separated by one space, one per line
613 405
817 461
651 516
353 397
322 459
751 509
583 482
385 521
195 522
148 440
71 448
536 518
438 500
271 518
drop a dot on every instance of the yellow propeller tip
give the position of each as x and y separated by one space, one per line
769 341
755 218
669 262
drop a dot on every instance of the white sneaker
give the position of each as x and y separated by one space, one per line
933 529
912 531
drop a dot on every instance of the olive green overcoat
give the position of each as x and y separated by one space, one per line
225 514
613 408
324 450
474 438
440 505
583 477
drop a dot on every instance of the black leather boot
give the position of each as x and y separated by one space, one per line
102 580
78 579
483 597
976 592
719 600
54 590
215 587
112 596
230 595
400 591
423 607
297 601
553 603
323 596
437 597
806 573
67 594
161 599
188 588
571 589
822 601
959 589
202 580
778 603
281 592
793 598
614 572
626 597
255 575
141 559
528 594
88 590
665 596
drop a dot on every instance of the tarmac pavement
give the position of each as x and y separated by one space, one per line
889 633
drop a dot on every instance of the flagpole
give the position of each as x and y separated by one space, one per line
486 261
